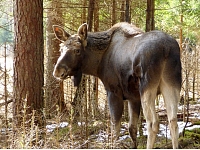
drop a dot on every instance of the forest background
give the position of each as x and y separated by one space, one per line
37 111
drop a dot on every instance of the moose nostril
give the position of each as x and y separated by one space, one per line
62 75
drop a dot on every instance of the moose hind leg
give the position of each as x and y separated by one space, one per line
171 97
148 105
134 111
116 106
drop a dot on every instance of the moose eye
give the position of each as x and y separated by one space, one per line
77 51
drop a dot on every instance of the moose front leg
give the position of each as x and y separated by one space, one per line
116 106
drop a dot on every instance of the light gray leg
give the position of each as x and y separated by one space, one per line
171 97
148 104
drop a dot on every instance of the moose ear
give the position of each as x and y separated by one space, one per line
60 33
82 31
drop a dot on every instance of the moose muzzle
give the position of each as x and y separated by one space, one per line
60 72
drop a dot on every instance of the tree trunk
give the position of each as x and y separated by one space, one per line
127 12
150 23
54 88
113 12
96 16
181 27
28 61
90 14
122 11
95 79
84 11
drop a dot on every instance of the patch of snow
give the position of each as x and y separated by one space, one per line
102 136
122 130
81 123
51 127
164 130
181 126
64 124
193 127
121 138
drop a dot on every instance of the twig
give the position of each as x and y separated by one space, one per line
80 146
187 120
4 103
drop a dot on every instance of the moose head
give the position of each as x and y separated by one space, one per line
72 52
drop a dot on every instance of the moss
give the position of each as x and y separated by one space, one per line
193 133
191 139
142 142
197 123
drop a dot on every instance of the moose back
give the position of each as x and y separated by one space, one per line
133 66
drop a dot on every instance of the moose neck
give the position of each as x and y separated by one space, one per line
97 44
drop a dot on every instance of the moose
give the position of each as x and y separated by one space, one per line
133 65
